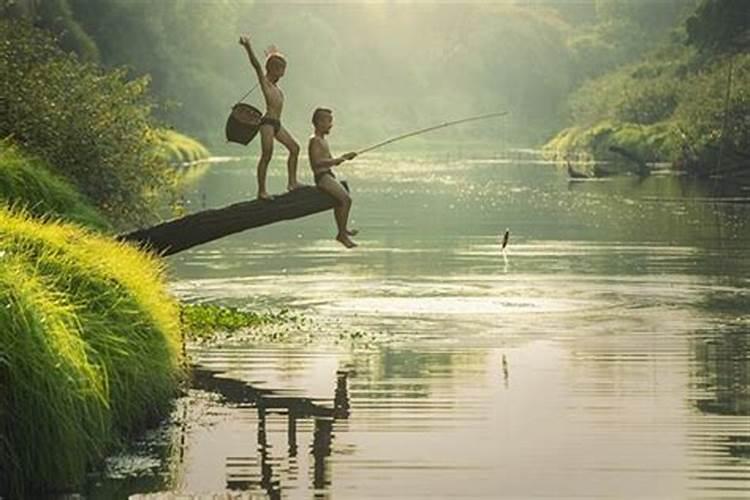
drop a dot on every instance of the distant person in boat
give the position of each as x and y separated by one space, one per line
270 124
321 162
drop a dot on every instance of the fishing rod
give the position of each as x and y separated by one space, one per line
428 129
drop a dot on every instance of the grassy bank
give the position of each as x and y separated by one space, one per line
650 143
678 104
28 183
90 347
89 350
178 148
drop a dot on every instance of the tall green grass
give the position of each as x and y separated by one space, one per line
89 350
29 183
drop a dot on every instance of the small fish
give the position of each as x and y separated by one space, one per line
505 370
506 237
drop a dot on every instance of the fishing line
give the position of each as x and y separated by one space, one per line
428 129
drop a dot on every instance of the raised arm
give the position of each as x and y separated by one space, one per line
245 42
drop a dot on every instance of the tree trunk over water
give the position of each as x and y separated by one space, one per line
180 234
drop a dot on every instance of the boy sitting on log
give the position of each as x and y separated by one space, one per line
321 162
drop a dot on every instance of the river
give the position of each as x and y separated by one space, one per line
605 354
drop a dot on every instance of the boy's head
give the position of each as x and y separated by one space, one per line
275 65
322 119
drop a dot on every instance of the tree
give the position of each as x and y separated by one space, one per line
720 26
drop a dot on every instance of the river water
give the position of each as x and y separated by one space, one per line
605 354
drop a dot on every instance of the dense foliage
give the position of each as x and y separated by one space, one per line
720 26
383 67
93 127
686 101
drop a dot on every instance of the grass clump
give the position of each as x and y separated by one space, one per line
29 183
53 393
89 350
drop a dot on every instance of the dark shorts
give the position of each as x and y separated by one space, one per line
276 124
318 176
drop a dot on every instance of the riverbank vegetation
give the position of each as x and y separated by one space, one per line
89 349
28 183
685 102
90 341
92 126
178 149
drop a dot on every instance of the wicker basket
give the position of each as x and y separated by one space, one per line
243 123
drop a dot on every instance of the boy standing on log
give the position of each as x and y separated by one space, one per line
321 162
270 124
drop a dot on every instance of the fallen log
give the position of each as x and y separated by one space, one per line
186 232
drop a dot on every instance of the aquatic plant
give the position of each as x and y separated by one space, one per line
203 321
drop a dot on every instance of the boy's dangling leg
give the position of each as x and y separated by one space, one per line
341 210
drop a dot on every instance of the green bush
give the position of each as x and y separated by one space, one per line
92 126
89 350
648 142
178 148
706 127
28 183
671 106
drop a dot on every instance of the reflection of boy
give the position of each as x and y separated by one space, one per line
270 124
321 162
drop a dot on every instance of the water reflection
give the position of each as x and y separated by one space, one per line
607 354
723 371
239 475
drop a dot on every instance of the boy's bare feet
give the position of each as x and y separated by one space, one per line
294 185
264 196
344 240
352 232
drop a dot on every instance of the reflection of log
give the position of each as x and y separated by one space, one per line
180 234
266 400
239 392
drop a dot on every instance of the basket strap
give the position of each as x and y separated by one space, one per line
248 93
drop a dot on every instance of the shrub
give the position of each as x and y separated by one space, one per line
29 183
92 126
178 148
